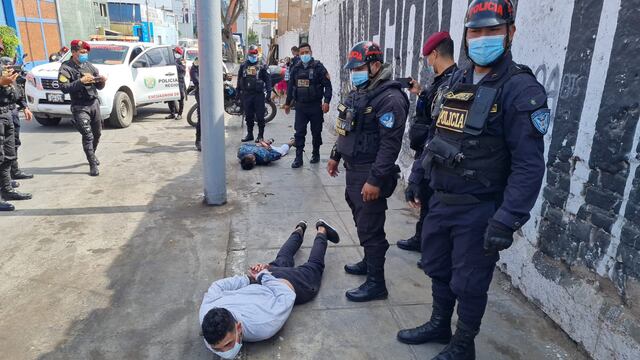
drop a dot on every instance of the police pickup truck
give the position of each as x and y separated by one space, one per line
137 74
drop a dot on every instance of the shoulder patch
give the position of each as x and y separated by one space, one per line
62 78
387 120
541 119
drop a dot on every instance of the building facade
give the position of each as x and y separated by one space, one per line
294 15
37 26
82 18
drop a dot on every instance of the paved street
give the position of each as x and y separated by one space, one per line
115 267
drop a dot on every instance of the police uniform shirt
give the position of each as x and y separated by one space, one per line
69 79
258 70
320 76
524 123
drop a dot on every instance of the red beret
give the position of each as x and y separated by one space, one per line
79 44
433 41
179 50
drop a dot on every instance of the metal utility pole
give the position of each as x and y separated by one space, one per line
211 101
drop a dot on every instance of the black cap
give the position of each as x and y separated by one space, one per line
488 13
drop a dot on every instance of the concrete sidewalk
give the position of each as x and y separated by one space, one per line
115 267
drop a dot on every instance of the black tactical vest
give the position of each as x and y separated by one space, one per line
461 145
8 96
357 126
306 88
252 80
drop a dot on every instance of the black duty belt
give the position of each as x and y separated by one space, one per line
357 167
464 199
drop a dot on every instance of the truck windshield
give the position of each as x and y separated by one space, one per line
108 54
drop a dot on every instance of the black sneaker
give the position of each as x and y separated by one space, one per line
14 195
178 117
332 234
170 116
302 224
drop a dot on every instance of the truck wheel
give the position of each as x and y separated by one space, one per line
47 121
122 112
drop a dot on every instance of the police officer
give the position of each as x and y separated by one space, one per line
253 82
181 68
486 165
8 99
81 80
309 82
370 127
194 74
437 58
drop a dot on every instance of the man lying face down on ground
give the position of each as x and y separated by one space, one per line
254 307
262 153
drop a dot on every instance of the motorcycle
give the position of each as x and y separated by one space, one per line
232 103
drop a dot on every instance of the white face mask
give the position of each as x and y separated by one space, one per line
231 353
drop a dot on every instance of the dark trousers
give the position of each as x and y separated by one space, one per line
454 258
425 196
15 115
180 108
369 218
253 105
88 121
7 150
198 128
305 278
308 113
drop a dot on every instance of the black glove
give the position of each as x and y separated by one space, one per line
412 192
497 237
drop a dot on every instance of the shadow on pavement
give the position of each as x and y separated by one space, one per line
156 282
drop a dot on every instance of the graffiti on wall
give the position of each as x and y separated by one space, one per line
588 212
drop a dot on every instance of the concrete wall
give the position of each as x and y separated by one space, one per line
286 41
578 258
80 19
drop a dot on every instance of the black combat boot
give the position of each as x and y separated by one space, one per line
462 345
260 134
6 190
315 156
359 268
18 174
5 206
93 165
411 244
249 136
437 329
298 161
374 288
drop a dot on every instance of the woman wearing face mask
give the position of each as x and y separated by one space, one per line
81 80
176 113
485 163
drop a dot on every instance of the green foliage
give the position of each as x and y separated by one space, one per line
252 39
10 41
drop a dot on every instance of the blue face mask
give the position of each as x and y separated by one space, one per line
359 78
252 59
487 49
231 353
428 67
83 58
305 58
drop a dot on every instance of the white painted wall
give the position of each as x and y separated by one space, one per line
541 43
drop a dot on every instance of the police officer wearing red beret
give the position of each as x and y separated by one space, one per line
81 80
437 57
485 163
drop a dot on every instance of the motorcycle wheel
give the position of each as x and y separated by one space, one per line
192 116
270 111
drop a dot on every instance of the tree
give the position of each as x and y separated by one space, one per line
10 41
231 9
252 38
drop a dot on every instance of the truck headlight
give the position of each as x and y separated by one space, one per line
31 79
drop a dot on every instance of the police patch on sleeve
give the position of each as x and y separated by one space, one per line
387 120
541 120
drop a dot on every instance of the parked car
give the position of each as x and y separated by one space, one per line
138 74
